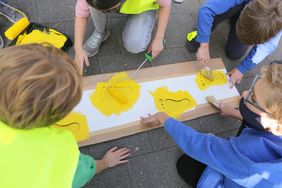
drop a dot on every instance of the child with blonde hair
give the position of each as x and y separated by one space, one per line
253 158
39 86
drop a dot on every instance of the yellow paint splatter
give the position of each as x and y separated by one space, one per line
173 103
76 123
219 78
105 100
52 37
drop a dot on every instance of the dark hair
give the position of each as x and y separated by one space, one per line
103 4
259 21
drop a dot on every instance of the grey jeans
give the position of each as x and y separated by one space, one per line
137 31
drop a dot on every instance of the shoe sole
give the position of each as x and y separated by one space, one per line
108 35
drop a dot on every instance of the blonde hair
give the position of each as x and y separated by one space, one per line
39 86
272 74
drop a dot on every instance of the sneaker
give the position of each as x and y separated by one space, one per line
1 42
191 44
92 45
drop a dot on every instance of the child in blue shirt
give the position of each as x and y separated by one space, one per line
253 158
252 22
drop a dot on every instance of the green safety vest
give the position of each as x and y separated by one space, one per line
37 158
138 6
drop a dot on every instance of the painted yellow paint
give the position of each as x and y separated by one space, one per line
53 37
219 78
117 95
173 103
76 123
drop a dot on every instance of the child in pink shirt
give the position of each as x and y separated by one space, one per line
137 31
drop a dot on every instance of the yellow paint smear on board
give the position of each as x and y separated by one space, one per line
51 36
76 123
173 103
219 78
105 100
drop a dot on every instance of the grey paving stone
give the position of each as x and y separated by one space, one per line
188 6
84 150
156 170
133 61
177 30
116 177
93 68
111 63
160 139
217 124
172 55
28 7
51 11
138 144
111 46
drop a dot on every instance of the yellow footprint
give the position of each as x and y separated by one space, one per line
108 96
219 78
173 103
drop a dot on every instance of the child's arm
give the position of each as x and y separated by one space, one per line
206 148
112 158
229 111
206 15
255 56
157 44
79 32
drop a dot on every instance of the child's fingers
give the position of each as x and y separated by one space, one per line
123 161
113 149
122 150
124 156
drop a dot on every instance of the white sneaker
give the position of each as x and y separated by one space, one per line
92 45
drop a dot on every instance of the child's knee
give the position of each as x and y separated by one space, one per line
134 46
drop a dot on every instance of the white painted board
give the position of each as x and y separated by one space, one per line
145 104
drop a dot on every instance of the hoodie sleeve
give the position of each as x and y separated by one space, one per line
217 153
258 53
206 15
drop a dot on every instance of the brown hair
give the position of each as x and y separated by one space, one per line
39 86
273 77
259 21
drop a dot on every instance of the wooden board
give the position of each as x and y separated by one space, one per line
152 74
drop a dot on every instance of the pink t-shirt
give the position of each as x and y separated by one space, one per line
82 7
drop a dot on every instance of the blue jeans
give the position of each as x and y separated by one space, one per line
137 31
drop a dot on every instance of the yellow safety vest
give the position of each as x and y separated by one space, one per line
138 6
37 158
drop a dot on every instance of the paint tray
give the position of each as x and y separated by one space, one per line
37 33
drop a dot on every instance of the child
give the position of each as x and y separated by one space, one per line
39 86
136 33
254 158
252 22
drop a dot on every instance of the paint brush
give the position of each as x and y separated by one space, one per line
212 100
207 73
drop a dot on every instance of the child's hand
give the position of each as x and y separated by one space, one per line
203 53
81 58
156 119
235 77
115 157
226 110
